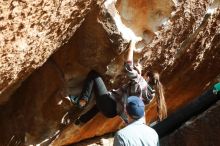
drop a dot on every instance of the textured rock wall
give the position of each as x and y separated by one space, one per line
30 31
185 51
39 105
184 73
144 17
202 130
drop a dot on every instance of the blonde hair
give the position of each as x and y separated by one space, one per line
161 103
160 99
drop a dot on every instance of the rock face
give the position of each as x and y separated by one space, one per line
185 51
202 130
144 17
30 32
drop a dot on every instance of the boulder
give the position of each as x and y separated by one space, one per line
60 42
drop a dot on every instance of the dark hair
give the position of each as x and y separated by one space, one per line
154 80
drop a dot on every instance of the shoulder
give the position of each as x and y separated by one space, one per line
119 139
151 130
124 132
137 134
128 130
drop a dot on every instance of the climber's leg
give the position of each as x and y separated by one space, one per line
88 86
87 116
100 88
93 78
104 104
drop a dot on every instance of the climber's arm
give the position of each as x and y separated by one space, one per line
128 65
130 54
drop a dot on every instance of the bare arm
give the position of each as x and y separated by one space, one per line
128 65
130 52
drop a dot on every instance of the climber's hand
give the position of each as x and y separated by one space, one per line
137 44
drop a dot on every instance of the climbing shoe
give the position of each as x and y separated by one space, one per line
73 99
82 102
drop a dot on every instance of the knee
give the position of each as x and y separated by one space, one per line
94 74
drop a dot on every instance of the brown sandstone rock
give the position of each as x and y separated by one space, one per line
186 52
37 109
30 32
202 130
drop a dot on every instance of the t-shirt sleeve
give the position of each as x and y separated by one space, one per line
118 140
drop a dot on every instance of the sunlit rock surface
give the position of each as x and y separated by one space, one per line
30 31
144 16
185 50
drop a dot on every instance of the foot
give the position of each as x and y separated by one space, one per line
73 99
81 103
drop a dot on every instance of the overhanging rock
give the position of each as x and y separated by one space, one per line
31 32
37 111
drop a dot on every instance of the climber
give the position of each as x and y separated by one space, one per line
136 133
111 103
